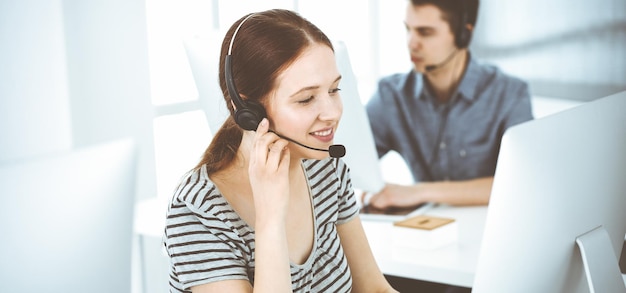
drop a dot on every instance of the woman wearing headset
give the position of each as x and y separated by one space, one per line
260 213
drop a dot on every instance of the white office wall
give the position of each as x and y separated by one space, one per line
75 73
34 101
566 48
571 49
107 61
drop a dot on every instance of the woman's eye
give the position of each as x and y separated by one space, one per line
306 101
334 91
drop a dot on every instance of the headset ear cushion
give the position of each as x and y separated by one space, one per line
250 116
463 37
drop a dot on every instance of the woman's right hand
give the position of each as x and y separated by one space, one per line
269 174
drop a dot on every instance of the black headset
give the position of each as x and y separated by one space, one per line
248 114
463 34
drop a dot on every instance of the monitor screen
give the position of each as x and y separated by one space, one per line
66 221
354 130
559 179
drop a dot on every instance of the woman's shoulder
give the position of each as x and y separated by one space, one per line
196 191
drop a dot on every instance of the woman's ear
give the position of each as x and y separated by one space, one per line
233 104
243 98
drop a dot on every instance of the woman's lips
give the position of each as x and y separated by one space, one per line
324 135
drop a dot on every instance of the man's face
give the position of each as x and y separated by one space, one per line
429 37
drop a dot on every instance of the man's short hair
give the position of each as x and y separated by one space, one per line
455 12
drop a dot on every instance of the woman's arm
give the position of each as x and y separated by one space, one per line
272 273
366 276
269 178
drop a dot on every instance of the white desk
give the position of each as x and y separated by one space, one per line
453 264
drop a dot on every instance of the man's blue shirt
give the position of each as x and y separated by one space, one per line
457 140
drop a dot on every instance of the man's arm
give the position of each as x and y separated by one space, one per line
467 192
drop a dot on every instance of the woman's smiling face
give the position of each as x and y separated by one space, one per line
305 105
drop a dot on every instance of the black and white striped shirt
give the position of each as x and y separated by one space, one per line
207 241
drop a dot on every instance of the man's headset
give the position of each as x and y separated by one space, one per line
248 114
462 37
463 34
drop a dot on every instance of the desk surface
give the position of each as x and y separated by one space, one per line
453 264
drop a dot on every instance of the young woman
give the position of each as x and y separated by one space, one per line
260 212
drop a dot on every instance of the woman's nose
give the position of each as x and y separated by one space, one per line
332 107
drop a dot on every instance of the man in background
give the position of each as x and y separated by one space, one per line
446 117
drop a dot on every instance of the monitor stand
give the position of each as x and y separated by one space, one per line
603 273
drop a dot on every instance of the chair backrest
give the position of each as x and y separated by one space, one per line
203 55
66 221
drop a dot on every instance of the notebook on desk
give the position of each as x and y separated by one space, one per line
367 212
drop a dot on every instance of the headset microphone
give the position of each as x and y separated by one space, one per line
248 114
432 67
335 151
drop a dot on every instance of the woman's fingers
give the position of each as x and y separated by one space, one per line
269 148
260 146
276 152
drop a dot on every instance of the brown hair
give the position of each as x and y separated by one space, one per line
266 44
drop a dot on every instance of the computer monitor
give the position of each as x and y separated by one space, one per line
556 220
66 221
354 130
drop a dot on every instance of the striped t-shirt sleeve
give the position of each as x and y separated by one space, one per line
202 247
